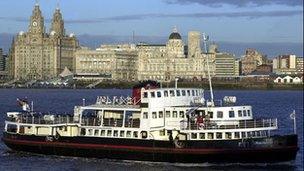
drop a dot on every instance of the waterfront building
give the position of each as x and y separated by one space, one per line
107 62
226 65
38 54
166 62
299 65
2 60
251 60
287 65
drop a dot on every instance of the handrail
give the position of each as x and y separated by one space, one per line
115 100
242 124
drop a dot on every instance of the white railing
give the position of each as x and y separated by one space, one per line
44 119
115 100
242 124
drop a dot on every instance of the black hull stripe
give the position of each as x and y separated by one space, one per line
147 149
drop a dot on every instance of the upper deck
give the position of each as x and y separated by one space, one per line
166 97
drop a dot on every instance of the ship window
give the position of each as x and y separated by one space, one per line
183 93
243 134
122 133
128 133
210 114
210 135
196 92
228 135
115 133
162 133
90 132
181 114
144 134
248 112
160 114
154 115
202 135
158 94
82 131
152 94
236 135
145 94
193 135
145 115
135 134
103 133
172 93
174 114
219 114
96 132
258 133
193 93
178 93
166 93
109 133
249 134
168 114
231 114
239 113
244 113
219 135
188 93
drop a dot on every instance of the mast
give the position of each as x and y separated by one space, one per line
205 39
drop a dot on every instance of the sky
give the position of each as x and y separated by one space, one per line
223 20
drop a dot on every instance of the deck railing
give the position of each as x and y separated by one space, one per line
115 100
242 124
44 119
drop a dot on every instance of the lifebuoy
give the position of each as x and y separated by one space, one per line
178 144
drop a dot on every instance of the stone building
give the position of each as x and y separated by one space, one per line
2 60
170 61
226 65
116 62
251 60
285 65
37 54
299 65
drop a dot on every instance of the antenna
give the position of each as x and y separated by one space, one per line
205 39
133 37
57 5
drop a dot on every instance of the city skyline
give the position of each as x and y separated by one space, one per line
244 21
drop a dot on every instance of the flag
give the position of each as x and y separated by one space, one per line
23 104
293 115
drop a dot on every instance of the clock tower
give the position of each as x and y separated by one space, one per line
57 27
36 25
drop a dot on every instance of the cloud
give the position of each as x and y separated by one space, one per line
247 14
238 3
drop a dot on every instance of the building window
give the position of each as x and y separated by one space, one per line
219 114
231 114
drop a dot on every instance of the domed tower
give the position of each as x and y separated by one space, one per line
57 27
175 45
37 21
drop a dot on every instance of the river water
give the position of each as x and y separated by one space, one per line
266 104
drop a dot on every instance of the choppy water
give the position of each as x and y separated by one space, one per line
272 104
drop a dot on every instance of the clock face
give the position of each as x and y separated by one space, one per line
35 24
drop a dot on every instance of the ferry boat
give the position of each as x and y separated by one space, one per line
155 124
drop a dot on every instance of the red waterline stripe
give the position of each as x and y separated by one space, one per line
141 149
